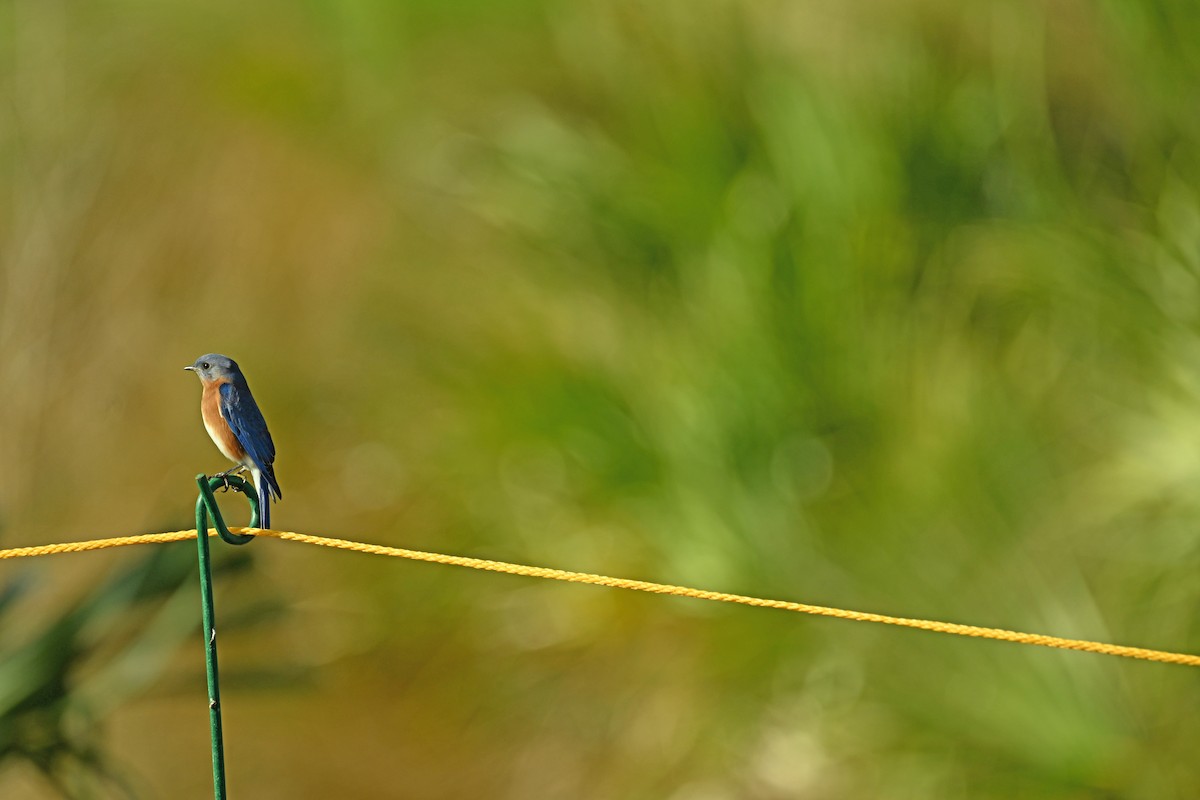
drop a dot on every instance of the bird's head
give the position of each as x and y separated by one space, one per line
215 367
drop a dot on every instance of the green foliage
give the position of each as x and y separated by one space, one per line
890 306
109 644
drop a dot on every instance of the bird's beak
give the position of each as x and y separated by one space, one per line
191 369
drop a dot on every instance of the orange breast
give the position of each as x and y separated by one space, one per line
215 424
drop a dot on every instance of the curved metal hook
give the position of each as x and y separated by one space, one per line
206 504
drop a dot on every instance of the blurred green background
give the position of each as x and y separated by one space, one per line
890 305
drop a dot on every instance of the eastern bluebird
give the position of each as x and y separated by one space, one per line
237 427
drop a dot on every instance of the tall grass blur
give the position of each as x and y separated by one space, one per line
892 306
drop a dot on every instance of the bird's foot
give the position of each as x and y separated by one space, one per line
224 476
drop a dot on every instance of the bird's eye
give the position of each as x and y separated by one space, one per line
204 365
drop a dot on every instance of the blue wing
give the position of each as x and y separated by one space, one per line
247 423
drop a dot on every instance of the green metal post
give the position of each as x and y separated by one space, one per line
206 504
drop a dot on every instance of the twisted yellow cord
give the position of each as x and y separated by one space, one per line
1000 634
99 544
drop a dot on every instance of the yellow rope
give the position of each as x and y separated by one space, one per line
99 544
1000 634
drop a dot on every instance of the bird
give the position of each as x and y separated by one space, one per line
237 427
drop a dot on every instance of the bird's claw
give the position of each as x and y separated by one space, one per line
224 476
